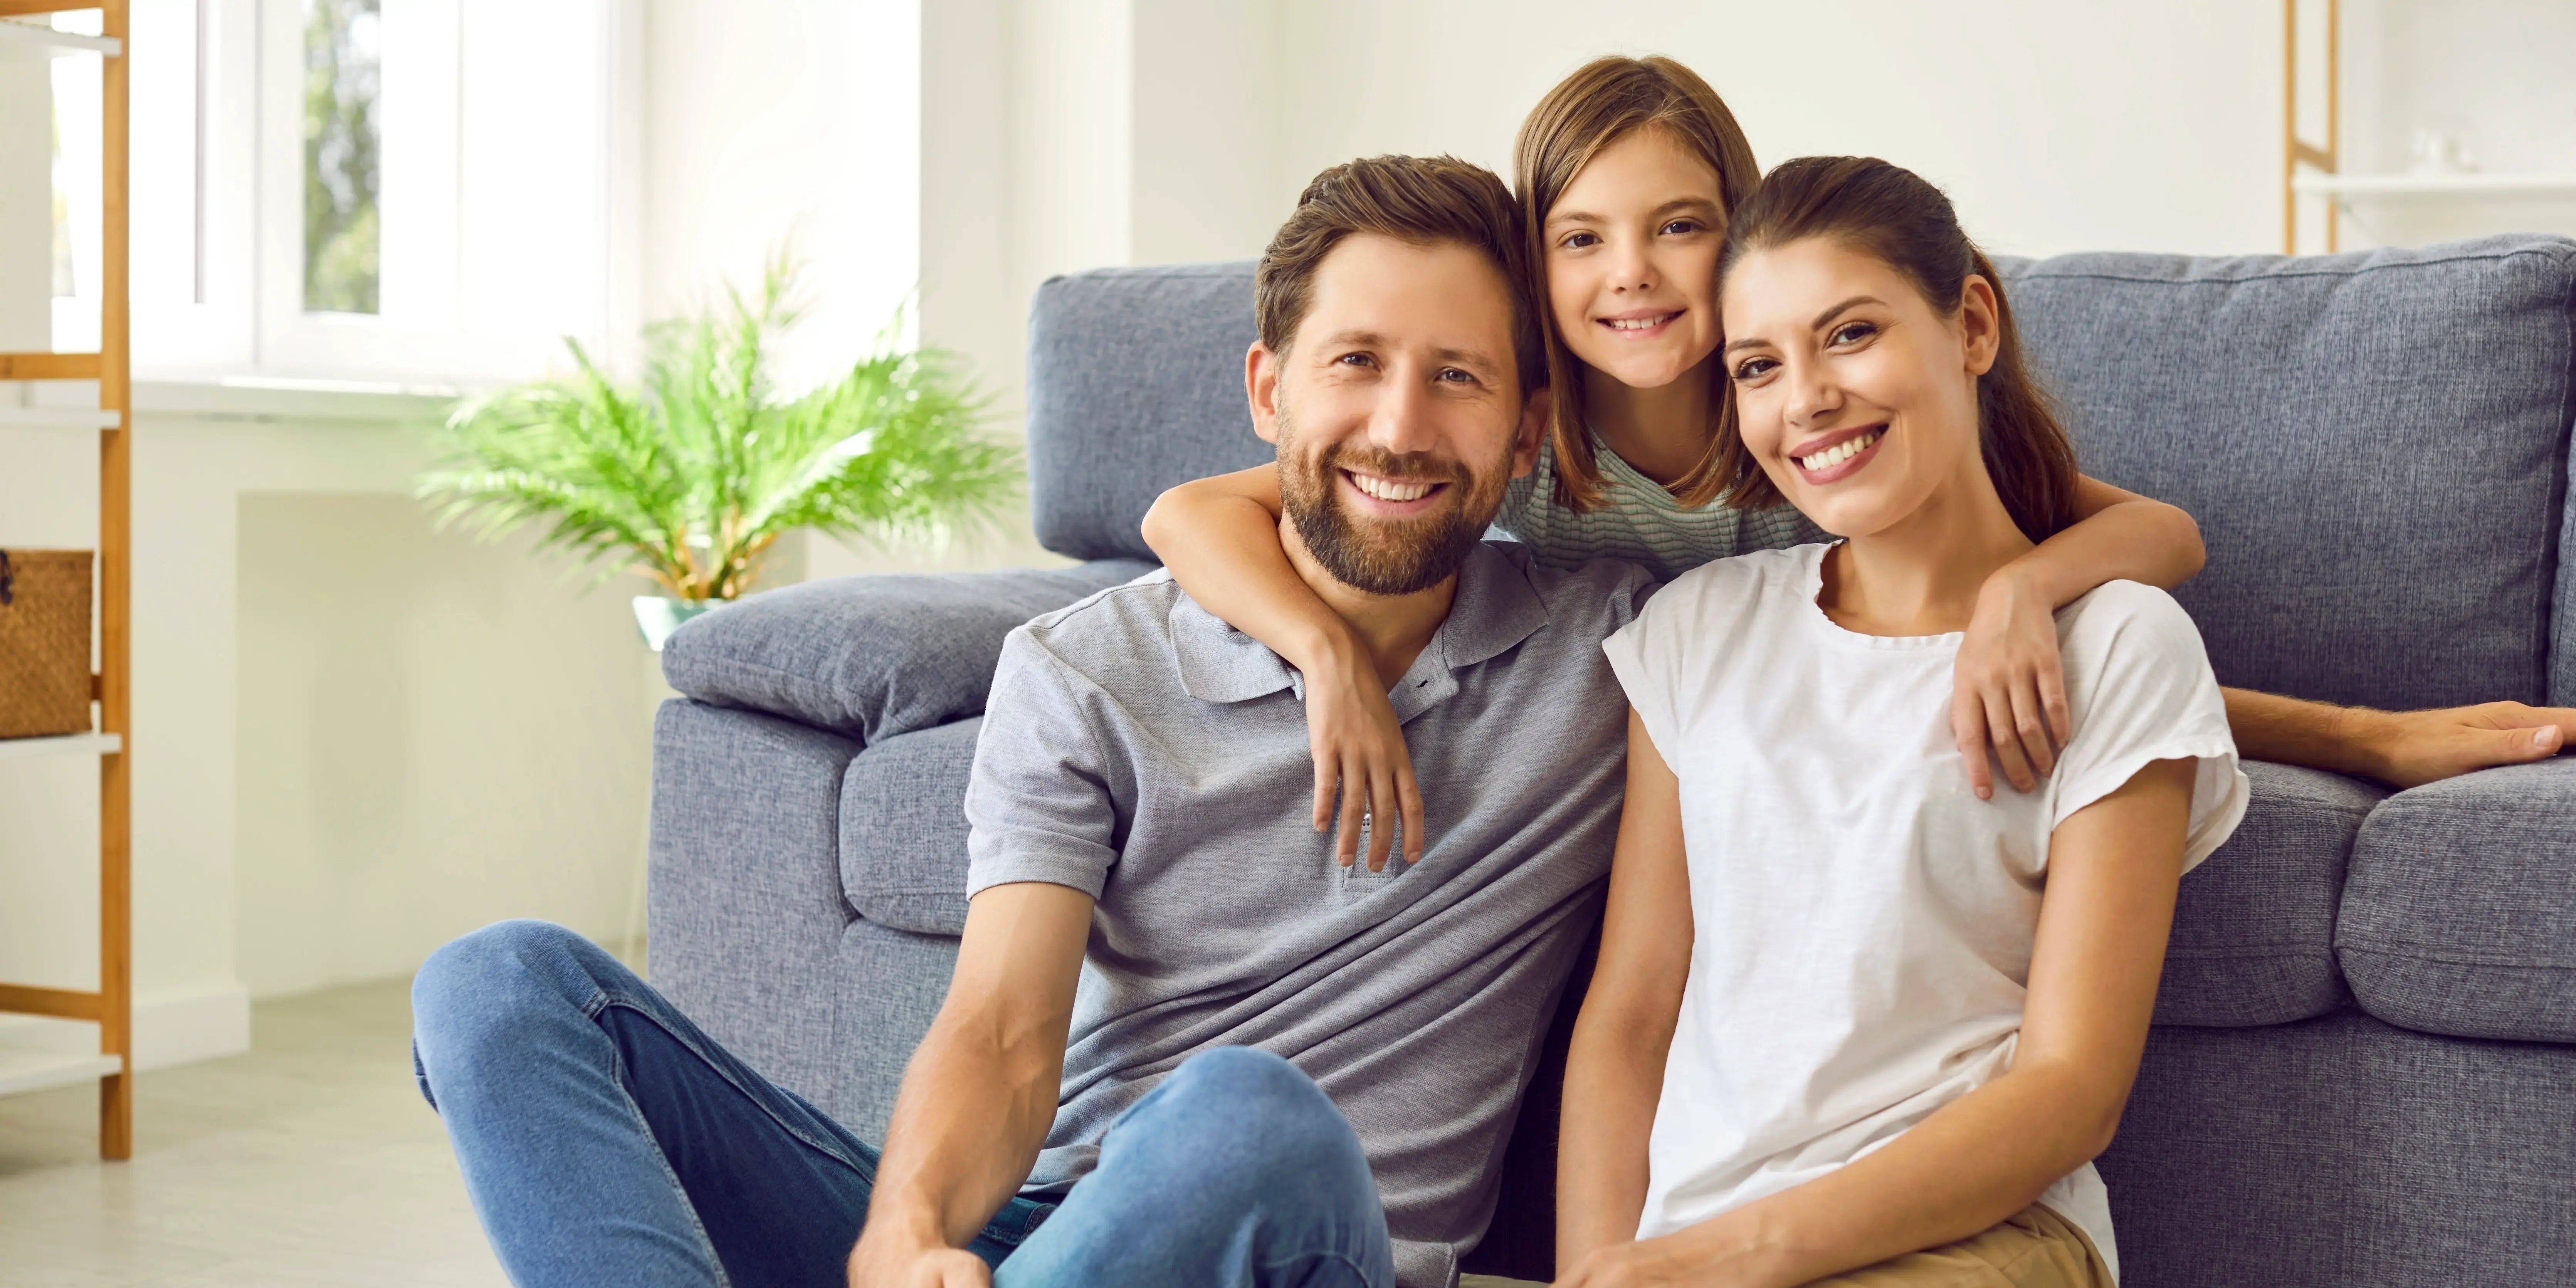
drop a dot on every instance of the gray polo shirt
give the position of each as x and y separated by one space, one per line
1139 749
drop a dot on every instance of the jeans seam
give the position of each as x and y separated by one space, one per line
1358 1274
603 1000
600 1001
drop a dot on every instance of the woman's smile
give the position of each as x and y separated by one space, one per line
1831 458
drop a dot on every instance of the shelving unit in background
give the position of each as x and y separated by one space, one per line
111 1005
2323 175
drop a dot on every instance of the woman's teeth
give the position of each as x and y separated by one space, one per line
1640 324
1389 489
1840 452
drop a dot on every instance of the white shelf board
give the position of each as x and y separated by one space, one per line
2431 185
22 1070
70 744
59 43
56 418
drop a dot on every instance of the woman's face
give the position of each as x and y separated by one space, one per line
1632 260
1854 394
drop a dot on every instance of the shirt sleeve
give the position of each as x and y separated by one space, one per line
1648 657
1038 803
2140 690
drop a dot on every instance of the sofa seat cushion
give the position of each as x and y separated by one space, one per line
2460 914
873 657
2253 937
2329 420
903 829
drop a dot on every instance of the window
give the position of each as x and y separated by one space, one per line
380 191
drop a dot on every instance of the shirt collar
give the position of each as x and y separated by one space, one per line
1495 608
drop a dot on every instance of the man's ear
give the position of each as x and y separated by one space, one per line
1979 323
1535 410
1261 389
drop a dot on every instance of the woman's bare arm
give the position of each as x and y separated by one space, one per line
2114 869
1220 538
1614 1073
2009 689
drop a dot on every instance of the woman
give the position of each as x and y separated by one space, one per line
1846 1014
1627 173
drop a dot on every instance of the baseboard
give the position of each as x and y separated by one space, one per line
169 1028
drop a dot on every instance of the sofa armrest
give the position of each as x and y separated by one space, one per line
2459 917
872 657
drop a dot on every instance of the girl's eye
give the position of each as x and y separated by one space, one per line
1682 227
1754 368
1851 333
1579 241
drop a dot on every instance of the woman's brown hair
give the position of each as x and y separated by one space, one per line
1602 102
1892 215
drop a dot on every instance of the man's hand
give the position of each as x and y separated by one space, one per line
920 1268
2412 748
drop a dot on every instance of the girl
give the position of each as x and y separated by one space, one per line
1627 173
1845 1012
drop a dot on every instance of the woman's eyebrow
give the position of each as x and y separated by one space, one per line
1852 303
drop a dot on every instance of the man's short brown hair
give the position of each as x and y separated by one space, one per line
1420 200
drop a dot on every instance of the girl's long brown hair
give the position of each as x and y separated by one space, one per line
1602 102
1892 215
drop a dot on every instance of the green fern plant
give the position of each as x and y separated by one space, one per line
689 476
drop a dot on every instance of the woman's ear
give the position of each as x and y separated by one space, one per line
1980 323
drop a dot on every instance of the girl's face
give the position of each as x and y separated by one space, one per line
1631 260
1856 396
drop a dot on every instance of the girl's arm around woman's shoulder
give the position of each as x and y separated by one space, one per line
2114 870
2009 689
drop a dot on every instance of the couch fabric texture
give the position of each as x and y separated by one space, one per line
2364 1065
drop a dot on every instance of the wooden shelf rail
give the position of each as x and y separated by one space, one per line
111 1007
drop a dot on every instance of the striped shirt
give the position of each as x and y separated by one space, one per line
1638 521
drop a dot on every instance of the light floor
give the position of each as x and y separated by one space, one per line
310 1161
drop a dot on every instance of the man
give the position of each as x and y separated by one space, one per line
1183 1044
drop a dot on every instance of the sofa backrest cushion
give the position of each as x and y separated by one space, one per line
1135 384
872 657
2375 445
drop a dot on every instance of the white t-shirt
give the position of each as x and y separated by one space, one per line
1863 923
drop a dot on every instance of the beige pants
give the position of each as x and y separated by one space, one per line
2035 1249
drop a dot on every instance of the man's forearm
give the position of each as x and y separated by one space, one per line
967 1127
980 1093
2295 731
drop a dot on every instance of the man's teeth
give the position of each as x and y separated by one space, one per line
1638 324
1389 489
1840 452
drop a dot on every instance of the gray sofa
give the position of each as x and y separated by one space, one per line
2364 1064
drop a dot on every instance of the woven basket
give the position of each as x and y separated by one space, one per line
44 642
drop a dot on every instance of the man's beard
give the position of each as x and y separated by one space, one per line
1386 556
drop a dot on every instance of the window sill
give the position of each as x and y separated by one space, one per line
269 399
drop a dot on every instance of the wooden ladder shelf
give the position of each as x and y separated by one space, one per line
111 1006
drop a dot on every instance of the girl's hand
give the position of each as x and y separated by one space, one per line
2009 691
1361 757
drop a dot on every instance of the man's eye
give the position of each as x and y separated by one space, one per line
1754 368
1356 360
1852 333
1457 377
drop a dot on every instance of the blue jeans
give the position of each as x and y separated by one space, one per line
605 1140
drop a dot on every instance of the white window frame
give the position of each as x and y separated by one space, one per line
247 325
